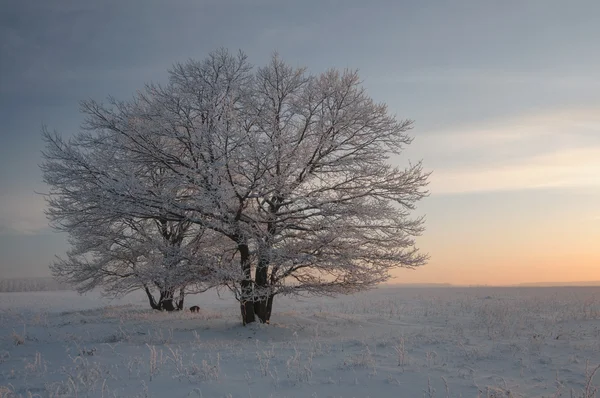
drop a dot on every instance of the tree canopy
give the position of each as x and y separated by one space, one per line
266 180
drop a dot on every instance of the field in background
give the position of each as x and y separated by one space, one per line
9 285
391 342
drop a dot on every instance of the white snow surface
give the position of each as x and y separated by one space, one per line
390 342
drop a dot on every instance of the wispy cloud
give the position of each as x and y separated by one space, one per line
551 150
495 78
22 214
566 169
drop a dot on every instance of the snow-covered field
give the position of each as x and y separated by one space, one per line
391 342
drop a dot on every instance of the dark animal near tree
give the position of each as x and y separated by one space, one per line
195 308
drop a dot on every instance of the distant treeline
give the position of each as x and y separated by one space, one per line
31 285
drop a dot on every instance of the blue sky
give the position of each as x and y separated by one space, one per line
505 96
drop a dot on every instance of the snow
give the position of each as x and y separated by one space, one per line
390 342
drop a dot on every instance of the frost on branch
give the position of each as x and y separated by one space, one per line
279 181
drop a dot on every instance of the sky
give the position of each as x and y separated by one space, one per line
505 97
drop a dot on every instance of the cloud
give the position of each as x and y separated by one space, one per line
22 214
497 78
558 149
566 169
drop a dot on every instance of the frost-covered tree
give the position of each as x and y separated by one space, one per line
333 215
291 170
110 248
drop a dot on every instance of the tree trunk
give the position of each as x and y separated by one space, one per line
264 302
153 303
247 308
180 301
263 295
247 298
166 300
269 307
263 308
272 282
